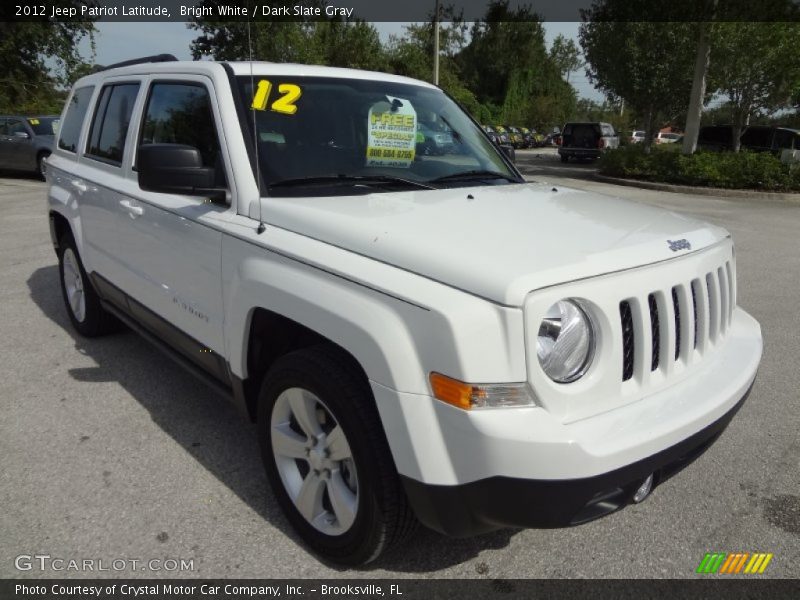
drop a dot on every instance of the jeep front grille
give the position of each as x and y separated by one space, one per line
627 340
681 319
655 331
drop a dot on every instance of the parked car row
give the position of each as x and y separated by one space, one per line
662 137
756 138
518 137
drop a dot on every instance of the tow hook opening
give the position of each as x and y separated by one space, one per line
644 489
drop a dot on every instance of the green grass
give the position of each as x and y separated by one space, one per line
742 170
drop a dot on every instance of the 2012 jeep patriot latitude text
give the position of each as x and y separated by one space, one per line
417 338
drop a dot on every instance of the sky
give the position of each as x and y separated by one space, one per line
118 41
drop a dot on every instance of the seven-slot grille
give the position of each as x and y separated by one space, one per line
681 319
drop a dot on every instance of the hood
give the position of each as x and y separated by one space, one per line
497 242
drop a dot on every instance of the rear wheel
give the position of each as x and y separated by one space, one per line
327 458
564 158
83 305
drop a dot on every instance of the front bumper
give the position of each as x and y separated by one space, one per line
496 502
472 471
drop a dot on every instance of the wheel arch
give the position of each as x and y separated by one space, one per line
269 336
59 225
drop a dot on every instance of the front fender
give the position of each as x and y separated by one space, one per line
397 339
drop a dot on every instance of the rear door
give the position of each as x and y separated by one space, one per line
581 135
101 170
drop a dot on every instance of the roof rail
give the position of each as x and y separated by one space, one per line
156 58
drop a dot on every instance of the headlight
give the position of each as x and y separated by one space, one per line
565 345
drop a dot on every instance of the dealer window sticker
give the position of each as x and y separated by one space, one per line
391 133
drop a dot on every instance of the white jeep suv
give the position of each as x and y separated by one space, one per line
415 337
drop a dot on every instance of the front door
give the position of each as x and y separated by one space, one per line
18 142
171 244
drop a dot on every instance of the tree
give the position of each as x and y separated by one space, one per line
506 65
566 56
756 66
38 61
351 44
648 65
412 53
331 42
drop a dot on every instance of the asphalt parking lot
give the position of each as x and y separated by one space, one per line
109 452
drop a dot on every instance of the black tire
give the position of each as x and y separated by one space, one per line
564 158
94 320
41 166
383 518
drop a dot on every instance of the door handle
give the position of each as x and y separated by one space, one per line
132 209
79 185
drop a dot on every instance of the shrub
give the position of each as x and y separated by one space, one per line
746 170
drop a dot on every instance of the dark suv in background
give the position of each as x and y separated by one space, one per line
758 138
26 141
586 140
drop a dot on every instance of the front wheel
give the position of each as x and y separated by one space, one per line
564 158
327 458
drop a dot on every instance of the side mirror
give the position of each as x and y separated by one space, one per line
23 135
176 169
508 150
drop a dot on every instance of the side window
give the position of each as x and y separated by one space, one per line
14 126
757 137
783 139
71 127
180 113
110 124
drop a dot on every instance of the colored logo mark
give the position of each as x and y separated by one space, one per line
734 563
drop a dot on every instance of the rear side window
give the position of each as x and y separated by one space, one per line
71 127
757 137
784 139
111 120
180 113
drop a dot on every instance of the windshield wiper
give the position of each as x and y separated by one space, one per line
351 180
475 174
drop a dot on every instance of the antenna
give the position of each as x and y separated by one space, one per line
261 227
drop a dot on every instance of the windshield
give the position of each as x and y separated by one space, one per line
314 129
44 125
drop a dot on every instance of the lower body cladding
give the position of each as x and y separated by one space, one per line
468 472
